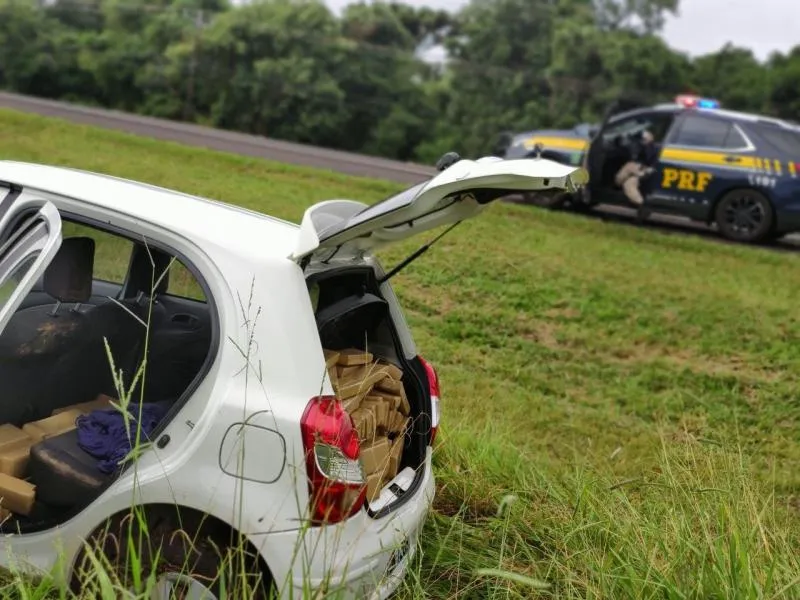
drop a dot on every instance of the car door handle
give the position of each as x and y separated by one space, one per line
185 319
732 159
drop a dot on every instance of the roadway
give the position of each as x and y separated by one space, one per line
299 154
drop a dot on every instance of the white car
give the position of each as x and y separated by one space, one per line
235 361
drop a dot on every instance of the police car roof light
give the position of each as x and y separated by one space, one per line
689 101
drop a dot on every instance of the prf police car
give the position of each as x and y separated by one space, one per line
738 170
571 142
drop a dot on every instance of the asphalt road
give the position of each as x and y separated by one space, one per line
299 154
226 141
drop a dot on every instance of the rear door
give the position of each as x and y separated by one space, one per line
462 191
704 155
30 236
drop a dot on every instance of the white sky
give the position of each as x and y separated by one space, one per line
706 25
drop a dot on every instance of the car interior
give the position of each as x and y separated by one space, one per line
617 141
100 286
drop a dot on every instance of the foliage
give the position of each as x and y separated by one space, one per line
293 70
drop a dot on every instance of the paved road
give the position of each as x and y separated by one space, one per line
292 153
226 141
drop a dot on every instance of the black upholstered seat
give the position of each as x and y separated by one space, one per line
54 355
66 476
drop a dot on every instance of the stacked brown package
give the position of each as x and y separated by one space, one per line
372 392
16 494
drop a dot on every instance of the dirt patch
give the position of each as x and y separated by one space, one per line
540 332
729 366
453 503
431 301
562 313
49 334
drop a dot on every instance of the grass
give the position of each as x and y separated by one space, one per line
619 406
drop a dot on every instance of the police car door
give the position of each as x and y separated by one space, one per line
704 154
601 145
614 144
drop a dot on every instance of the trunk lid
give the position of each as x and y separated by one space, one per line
460 192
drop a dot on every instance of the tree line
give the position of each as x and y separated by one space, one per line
293 70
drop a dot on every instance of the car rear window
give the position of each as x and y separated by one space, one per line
702 132
784 140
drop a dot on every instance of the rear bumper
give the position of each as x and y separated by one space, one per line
362 558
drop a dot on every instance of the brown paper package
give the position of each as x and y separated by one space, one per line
16 495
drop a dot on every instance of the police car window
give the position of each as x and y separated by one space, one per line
784 140
657 124
709 133
627 127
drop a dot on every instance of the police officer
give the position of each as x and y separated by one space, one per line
642 157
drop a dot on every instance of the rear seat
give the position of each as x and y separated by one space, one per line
65 475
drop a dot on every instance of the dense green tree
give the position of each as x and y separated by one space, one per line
292 69
645 16
784 94
733 75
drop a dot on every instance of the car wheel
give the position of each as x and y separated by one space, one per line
745 216
197 559
551 199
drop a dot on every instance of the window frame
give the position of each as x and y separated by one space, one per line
35 213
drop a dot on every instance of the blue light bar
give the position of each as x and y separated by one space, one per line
707 103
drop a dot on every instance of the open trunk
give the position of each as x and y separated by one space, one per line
382 390
334 243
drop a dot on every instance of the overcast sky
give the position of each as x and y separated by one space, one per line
706 25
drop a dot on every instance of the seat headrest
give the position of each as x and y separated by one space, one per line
68 278
147 266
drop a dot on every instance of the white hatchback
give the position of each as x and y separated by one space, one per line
224 326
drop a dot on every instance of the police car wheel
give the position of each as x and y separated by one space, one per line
744 216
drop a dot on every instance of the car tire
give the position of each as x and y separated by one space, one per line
745 215
194 558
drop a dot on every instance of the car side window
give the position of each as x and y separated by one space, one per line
701 132
10 285
183 284
112 253
624 127
785 140
657 124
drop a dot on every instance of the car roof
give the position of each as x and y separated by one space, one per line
199 219
722 113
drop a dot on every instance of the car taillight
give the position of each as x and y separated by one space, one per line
336 477
433 388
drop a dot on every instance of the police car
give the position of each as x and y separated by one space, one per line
737 170
570 143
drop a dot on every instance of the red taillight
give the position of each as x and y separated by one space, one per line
433 388
336 478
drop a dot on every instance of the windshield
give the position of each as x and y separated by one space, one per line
388 205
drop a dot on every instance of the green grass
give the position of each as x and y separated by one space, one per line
620 414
